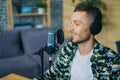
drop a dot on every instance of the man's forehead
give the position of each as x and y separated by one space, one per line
78 16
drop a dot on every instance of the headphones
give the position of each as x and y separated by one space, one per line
96 25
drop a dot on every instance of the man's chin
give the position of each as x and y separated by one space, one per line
72 40
76 41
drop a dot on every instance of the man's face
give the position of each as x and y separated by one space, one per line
79 27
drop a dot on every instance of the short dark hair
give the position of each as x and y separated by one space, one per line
90 10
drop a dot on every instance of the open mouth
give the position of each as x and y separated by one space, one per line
74 34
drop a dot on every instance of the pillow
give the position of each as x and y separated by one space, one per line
34 39
10 44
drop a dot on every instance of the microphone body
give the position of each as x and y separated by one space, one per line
51 38
54 38
51 42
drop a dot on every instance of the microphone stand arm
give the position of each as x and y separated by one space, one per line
51 50
42 62
41 54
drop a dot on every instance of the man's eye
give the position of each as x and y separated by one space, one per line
77 24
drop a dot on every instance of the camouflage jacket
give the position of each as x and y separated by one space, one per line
105 63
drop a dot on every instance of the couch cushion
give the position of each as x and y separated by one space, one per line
22 65
34 39
10 44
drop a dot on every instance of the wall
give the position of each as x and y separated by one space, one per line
3 14
28 19
56 14
110 33
34 20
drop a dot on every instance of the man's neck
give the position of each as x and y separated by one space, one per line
86 47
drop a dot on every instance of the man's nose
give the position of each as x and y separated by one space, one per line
71 28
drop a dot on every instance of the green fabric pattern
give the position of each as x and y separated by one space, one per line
105 63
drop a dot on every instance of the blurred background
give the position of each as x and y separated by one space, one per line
23 14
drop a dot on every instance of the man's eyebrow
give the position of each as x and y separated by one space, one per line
77 21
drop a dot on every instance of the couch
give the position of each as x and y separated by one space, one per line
17 48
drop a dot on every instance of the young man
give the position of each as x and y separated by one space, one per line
83 58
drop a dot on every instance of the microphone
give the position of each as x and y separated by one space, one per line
51 38
52 43
51 46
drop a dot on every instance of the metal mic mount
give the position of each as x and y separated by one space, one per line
50 50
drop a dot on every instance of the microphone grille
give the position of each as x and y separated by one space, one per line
60 36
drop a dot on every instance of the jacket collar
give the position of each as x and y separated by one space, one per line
93 59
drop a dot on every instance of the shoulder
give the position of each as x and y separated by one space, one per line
69 47
106 52
109 52
68 50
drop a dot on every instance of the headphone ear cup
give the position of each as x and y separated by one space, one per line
96 25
